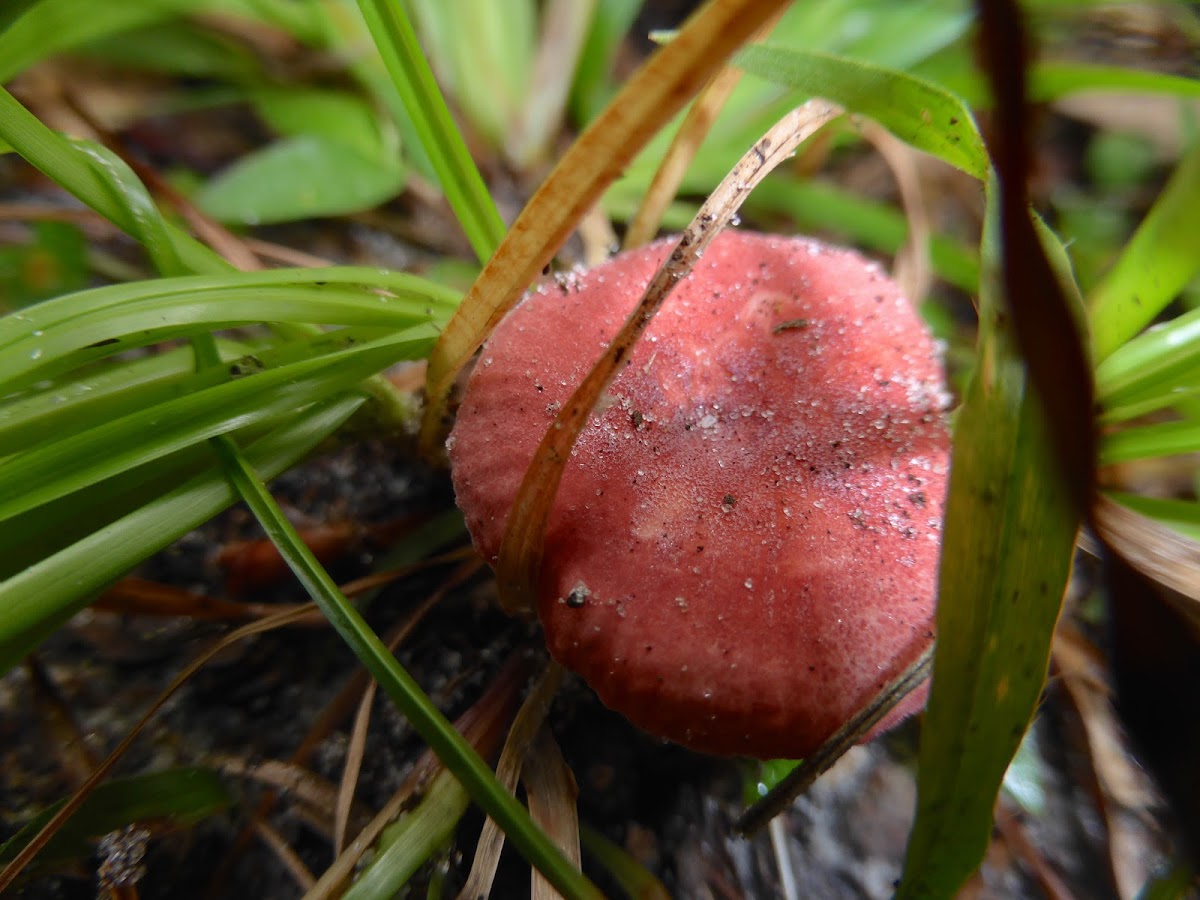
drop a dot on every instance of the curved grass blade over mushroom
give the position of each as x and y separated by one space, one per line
801 778
684 145
593 162
521 552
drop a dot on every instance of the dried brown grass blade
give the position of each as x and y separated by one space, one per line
355 751
550 790
521 551
286 855
76 758
525 726
913 271
659 89
338 709
302 785
684 146
362 719
1158 552
482 725
1123 790
565 26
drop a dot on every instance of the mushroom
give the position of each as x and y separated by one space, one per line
743 550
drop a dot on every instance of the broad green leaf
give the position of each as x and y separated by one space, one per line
13 10
1162 257
179 796
1009 537
40 598
301 177
920 113
337 116
52 26
55 470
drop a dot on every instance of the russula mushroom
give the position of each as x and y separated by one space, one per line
743 550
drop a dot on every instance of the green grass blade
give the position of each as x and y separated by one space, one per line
451 747
593 86
42 532
93 178
1053 80
1164 360
1148 441
1162 257
40 598
492 51
460 179
922 114
76 329
100 394
48 472
413 839
1009 537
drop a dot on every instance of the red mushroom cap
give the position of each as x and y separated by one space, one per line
744 546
